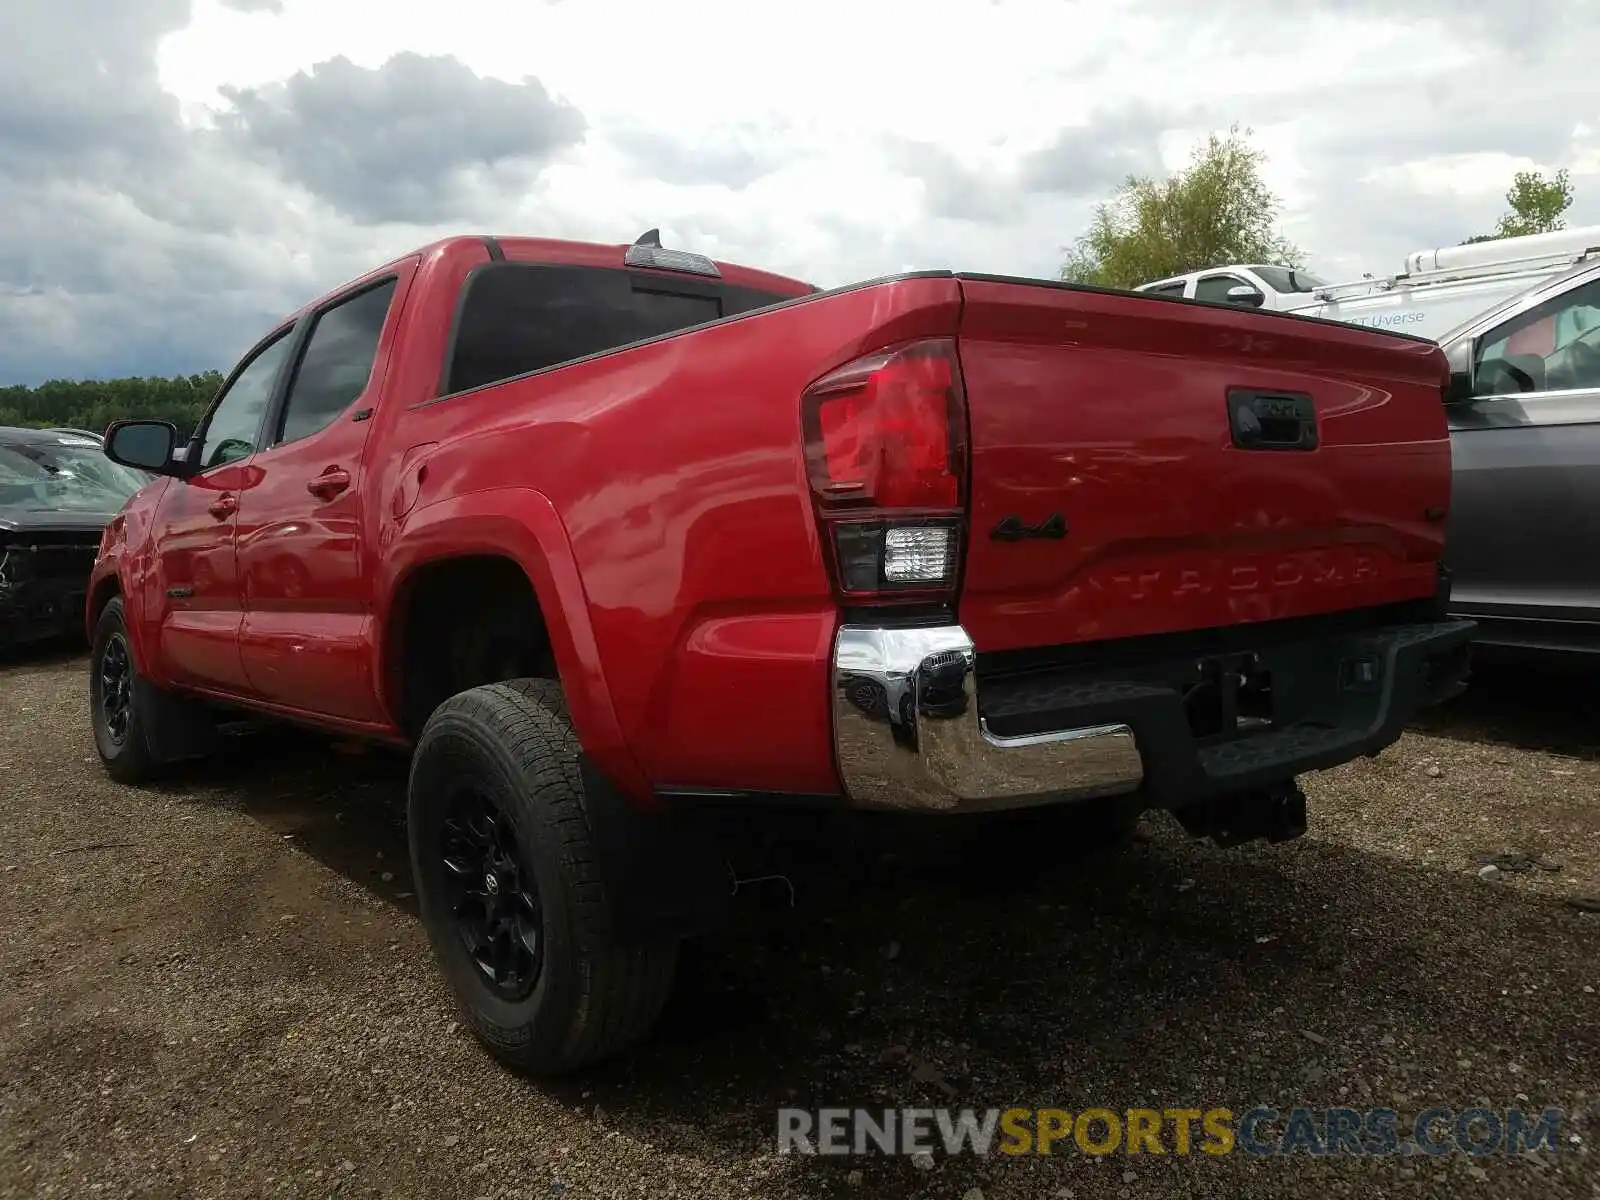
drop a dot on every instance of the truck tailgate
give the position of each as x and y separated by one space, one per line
1141 465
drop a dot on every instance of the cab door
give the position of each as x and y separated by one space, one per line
194 544
1524 536
307 634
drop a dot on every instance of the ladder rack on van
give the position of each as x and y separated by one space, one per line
1551 264
1540 252
1433 292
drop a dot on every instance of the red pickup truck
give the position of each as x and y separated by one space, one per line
609 536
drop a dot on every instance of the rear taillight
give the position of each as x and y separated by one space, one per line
886 454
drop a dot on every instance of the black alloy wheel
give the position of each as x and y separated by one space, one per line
116 688
492 895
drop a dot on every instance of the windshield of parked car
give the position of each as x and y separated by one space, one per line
1289 279
63 475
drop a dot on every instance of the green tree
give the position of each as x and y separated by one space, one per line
95 403
1217 210
1537 206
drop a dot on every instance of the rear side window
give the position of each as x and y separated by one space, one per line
1166 289
337 362
521 317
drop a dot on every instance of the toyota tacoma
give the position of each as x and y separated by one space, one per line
606 536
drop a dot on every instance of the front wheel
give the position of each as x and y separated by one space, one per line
509 889
117 700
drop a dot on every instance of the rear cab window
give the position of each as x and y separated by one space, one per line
517 317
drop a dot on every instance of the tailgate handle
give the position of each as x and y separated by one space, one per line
1263 420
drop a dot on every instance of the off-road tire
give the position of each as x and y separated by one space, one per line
594 995
128 760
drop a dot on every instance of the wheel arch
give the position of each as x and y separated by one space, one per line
104 590
106 583
518 527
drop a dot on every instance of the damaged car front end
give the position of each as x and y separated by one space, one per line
57 493
43 575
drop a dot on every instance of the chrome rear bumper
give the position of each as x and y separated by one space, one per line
908 735
908 731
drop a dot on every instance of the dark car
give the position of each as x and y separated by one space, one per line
1524 413
57 491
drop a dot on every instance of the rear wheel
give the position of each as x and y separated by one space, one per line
118 700
509 889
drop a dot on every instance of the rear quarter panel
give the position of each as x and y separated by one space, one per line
676 469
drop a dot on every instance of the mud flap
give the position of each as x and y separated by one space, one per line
175 727
663 877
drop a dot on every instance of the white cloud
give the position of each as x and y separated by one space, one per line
215 165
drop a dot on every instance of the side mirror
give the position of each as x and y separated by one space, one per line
144 446
1460 388
1246 296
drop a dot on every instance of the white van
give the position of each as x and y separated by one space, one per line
1438 290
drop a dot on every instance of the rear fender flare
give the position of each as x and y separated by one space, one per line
520 524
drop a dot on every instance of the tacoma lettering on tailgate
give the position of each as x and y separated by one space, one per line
1294 569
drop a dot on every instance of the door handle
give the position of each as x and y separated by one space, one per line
224 505
329 484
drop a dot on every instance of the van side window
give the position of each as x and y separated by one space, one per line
337 362
521 317
1554 346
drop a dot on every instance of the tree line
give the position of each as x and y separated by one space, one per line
1218 210
93 404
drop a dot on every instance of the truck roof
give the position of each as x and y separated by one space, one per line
568 253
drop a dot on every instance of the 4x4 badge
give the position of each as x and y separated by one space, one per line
1011 529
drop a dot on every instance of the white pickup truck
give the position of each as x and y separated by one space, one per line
1438 289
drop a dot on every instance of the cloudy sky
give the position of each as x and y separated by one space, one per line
175 174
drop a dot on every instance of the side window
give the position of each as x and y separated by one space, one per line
337 362
1215 288
1166 289
521 317
236 420
1554 346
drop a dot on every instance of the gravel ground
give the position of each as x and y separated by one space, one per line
220 988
